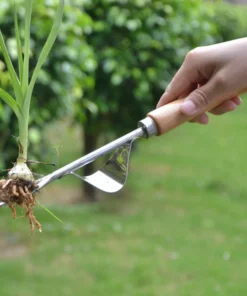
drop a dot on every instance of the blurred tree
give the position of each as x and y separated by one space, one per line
138 45
230 21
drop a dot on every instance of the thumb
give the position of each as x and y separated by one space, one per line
201 99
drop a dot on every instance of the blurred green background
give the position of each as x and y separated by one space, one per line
179 226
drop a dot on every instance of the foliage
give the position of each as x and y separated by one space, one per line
138 45
229 19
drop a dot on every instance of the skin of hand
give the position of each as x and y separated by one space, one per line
210 75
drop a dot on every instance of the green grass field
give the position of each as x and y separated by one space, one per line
179 228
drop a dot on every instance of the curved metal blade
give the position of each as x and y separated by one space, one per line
113 175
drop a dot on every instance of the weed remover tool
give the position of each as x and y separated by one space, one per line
113 175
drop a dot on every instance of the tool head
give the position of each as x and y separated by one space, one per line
113 175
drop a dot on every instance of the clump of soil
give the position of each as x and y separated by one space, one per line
19 193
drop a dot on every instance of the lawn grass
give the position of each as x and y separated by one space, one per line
179 228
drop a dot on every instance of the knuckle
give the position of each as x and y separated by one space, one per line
193 54
200 98
220 80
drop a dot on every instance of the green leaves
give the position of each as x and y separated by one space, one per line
11 102
13 76
45 51
25 74
49 212
19 47
138 45
23 89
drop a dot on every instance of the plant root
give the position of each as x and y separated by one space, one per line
18 192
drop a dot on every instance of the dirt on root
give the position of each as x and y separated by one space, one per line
19 193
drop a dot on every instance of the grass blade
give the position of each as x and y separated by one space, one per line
45 51
19 47
48 211
13 76
8 99
25 74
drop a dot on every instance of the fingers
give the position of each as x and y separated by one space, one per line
202 119
210 78
185 81
237 101
172 94
223 108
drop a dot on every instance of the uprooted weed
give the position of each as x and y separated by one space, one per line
19 193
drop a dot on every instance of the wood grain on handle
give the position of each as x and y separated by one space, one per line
168 116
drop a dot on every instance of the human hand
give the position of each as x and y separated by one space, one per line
212 74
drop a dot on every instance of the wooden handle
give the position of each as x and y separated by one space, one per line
169 116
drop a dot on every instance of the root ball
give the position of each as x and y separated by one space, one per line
18 192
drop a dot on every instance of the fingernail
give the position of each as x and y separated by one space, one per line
162 100
188 107
158 105
204 119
